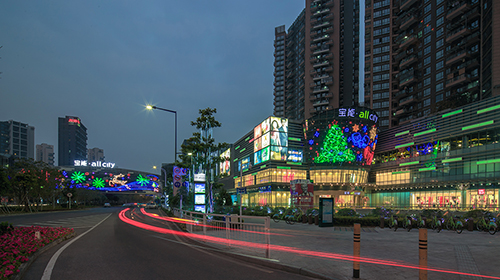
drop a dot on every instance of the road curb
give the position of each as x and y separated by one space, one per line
25 266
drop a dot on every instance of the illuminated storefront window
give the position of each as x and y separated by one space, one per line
339 176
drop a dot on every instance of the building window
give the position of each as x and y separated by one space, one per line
440 10
427 60
439 21
439 76
427 81
427 9
427 102
439 43
439 87
439 54
439 65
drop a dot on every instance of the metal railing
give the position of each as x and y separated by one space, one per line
245 233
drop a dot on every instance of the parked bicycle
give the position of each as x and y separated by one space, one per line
437 223
488 225
454 223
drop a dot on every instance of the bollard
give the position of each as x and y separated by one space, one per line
37 235
422 254
381 222
356 246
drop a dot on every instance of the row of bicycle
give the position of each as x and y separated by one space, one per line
451 222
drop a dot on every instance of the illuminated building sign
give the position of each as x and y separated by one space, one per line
94 163
481 192
362 114
225 165
348 138
270 140
74 121
104 181
199 188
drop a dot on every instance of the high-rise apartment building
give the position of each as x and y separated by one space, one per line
95 154
17 139
316 61
423 56
72 143
45 153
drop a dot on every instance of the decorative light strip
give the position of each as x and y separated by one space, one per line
245 170
254 174
237 148
294 139
451 159
488 109
236 159
488 161
402 133
251 140
424 132
409 163
404 145
283 167
477 125
400 172
295 163
452 113
263 166
246 139
242 150
235 177
427 169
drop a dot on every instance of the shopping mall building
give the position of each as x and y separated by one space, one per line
448 160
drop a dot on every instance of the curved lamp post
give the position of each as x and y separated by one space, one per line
151 107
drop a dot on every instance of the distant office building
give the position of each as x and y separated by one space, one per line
45 153
95 154
17 139
72 141
425 56
316 62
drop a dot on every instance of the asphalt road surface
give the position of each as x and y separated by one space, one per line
108 248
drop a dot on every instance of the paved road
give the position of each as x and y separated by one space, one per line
116 250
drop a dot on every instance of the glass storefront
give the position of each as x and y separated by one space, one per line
339 176
438 199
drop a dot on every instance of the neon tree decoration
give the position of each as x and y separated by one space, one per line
334 147
142 180
78 177
98 183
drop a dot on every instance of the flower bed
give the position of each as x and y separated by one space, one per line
18 244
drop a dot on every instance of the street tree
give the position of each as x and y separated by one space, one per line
204 150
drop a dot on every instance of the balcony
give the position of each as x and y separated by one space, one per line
458 33
319 89
321 38
456 57
457 10
320 12
407 100
318 77
322 24
406 4
407 81
400 112
321 50
321 63
458 80
408 61
408 22
408 41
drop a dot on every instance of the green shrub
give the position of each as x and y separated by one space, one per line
347 212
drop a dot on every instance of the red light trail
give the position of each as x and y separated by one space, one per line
286 249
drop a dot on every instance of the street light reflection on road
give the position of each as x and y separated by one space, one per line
307 253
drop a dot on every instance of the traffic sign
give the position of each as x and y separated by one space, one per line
69 194
177 184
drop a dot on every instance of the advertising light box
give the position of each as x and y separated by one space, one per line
295 155
225 165
199 199
199 188
199 208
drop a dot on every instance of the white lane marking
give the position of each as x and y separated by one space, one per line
50 266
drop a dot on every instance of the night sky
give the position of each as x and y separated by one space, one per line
103 61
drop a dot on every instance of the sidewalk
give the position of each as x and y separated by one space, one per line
469 252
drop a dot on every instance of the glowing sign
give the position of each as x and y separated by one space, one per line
481 192
351 112
225 165
199 188
74 121
78 162
199 199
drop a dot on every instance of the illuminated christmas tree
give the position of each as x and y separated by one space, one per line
335 148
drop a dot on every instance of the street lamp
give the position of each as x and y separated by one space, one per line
151 107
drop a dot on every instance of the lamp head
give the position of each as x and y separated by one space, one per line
150 107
